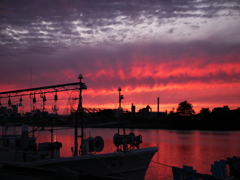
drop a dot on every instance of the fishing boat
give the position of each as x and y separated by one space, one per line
128 161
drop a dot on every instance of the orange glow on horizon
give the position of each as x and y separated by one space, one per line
170 96
190 80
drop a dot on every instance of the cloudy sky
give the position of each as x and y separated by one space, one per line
175 50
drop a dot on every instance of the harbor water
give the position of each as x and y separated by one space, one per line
198 149
176 148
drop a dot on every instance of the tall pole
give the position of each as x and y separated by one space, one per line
78 114
120 98
120 109
80 108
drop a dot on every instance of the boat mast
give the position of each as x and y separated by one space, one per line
79 113
120 98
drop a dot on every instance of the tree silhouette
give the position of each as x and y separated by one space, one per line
205 114
185 109
205 111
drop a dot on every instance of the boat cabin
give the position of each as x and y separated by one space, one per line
16 147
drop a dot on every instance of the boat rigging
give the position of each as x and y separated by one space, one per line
54 89
128 161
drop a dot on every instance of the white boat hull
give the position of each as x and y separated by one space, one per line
130 165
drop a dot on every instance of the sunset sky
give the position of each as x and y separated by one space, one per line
172 49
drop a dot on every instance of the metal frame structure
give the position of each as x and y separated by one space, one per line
42 90
56 88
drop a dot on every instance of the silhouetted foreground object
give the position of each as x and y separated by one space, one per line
185 109
219 171
128 161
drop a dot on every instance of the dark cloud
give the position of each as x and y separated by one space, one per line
28 23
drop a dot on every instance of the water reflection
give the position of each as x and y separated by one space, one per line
176 148
195 148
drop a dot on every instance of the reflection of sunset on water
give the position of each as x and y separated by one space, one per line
176 148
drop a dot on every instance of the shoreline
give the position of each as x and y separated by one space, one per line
143 126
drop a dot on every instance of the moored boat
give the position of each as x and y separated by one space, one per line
129 161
